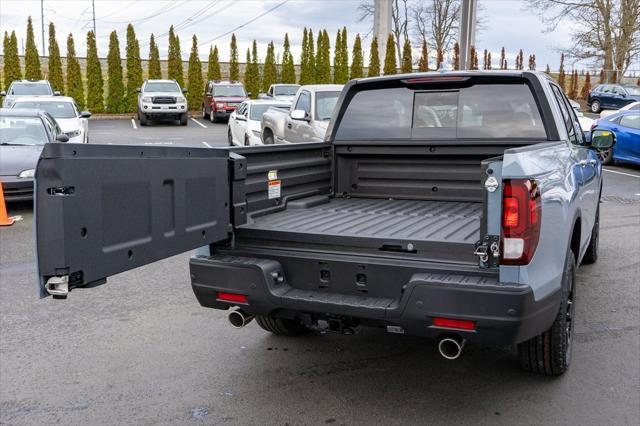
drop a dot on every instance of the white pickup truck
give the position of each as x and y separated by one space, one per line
306 120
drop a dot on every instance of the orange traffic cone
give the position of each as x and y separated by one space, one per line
5 220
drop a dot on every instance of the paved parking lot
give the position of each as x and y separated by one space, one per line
140 350
198 132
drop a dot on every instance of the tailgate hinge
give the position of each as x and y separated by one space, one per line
488 251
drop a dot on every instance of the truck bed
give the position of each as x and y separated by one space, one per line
421 227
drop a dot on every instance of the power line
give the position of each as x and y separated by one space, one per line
146 18
246 23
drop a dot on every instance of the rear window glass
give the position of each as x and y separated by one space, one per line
162 87
30 89
494 111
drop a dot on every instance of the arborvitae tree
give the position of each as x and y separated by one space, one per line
305 77
532 62
423 64
503 60
323 58
338 76
484 59
270 73
489 61
252 71
342 50
213 69
154 70
288 68
548 70
473 56
520 60
75 88
456 56
374 59
407 62
573 85
357 59
55 64
601 77
11 60
312 56
195 84
390 66
115 85
174 59
95 84
234 68
506 64
586 87
561 76
32 70
134 69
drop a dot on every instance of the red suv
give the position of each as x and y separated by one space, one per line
221 98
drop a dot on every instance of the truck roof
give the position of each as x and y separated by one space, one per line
465 73
323 87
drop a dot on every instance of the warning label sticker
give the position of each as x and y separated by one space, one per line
272 175
274 189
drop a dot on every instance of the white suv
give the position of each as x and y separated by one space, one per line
161 99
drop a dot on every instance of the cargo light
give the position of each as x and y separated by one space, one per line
520 221
454 323
231 297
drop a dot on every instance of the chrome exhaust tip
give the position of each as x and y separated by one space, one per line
451 347
239 319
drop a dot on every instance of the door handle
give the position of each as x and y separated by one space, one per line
584 163
288 125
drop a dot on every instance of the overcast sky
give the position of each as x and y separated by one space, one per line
507 23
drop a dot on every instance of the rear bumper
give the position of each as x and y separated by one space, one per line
504 313
16 189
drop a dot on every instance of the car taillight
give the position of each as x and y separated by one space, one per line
520 221
231 297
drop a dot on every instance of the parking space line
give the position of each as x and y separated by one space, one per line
620 173
198 123
133 122
206 144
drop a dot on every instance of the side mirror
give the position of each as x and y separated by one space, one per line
249 94
298 114
62 138
85 114
184 90
56 93
3 93
602 139
139 90
208 94
624 95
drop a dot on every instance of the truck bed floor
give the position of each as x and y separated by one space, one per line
380 219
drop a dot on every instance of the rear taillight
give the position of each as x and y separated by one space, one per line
520 221
454 323
231 297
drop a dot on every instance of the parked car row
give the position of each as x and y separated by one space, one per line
612 96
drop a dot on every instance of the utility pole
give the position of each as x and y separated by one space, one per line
467 32
93 4
44 52
382 25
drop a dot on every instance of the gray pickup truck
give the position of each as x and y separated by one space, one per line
454 206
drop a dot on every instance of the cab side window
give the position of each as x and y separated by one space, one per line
570 120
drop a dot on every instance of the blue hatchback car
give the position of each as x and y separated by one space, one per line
612 96
626 126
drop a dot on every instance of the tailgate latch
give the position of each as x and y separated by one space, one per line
488 251
58 286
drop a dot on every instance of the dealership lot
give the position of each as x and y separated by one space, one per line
140 349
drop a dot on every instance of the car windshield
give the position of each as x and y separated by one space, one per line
229 91
162 87
30 89
286 90
56 109
258 109
22 131
633 90
325 103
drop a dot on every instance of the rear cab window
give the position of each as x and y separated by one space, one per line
472 111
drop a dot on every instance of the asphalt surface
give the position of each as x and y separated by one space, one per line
140 350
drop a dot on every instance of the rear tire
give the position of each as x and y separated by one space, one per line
142 119
229 137
212 116
281 326
204 112
246 141
606 157
550 352
268 138
184 119
591 255
595 107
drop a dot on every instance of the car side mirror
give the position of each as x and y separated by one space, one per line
3 93
56 93
184 90
139 90
85 114
208 94
602 139
249 94
62 138
299 114
624 95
